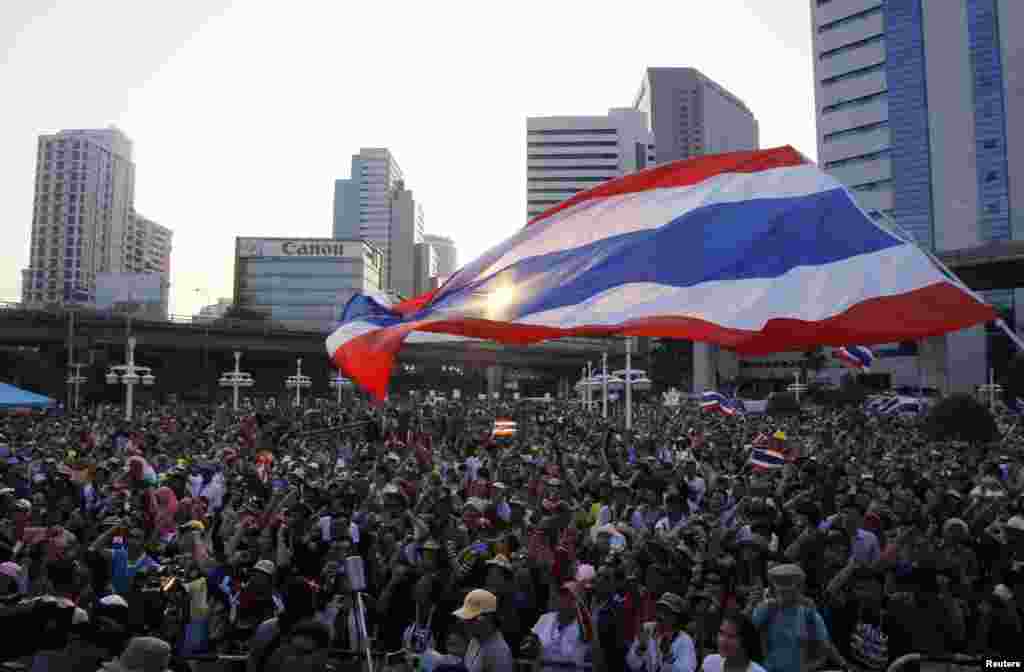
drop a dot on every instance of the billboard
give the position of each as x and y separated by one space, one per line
140 294
249 248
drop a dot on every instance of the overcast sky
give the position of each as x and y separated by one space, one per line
244 113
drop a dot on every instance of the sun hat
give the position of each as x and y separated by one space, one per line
144 654
477 603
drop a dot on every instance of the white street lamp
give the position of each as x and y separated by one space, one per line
128 375
991 389
298 381
797 387
236 379
340 383
76 379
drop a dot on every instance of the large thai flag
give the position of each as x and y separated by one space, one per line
855 357
758 252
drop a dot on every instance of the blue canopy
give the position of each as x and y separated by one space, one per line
13 397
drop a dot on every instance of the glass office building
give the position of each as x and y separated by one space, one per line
303 283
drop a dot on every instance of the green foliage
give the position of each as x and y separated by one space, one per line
783 403
671 364
961 417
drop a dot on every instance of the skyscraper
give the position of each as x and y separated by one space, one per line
83 219
690 115
919 114
566 155
374 205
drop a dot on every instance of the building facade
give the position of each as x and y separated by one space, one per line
567 155
920 112
83 220
691 115
447 255
426 266
303 283
374 205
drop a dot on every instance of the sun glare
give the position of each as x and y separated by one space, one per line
499 300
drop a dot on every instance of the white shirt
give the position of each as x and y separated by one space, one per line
715 662
560 644
682 656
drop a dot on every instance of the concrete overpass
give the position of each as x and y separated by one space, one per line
188 356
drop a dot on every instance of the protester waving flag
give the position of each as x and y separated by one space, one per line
855 357
758 252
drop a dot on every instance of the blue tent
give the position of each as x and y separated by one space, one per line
13 397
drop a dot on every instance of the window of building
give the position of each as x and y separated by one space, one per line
853 74
993 208
596 157
574 131
990 144
871 186
855 102
831 53
860 158
992 176
856 130
846 20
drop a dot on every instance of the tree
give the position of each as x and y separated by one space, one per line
813 360
783 403
961 417
671 363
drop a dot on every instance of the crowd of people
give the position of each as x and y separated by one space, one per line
408 536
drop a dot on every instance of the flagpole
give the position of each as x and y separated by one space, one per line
583 386
590 392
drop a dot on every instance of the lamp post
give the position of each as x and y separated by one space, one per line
298 381
991 389
76 379
127 374
604 385
339 383
236 379
629 383
797 387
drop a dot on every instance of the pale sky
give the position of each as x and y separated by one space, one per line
244 113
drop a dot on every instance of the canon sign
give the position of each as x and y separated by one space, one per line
310 248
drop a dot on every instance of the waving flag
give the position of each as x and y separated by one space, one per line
715 401
855 357
758 252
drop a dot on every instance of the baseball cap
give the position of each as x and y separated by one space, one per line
477 603
265 567
673 603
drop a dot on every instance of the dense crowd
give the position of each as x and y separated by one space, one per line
574 543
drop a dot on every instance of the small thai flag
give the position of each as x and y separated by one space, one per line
504 428
716 401
855 357
1017 405
767 458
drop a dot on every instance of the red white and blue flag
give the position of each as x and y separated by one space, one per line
855 357
758 252
716 401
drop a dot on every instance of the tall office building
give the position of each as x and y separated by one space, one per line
426 266
82 220
447 255
691 115
919 114
566 155
374 205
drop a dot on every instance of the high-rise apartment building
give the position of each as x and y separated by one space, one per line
426 266
566 155
447 255
920 112
82 213
374 205
690 115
